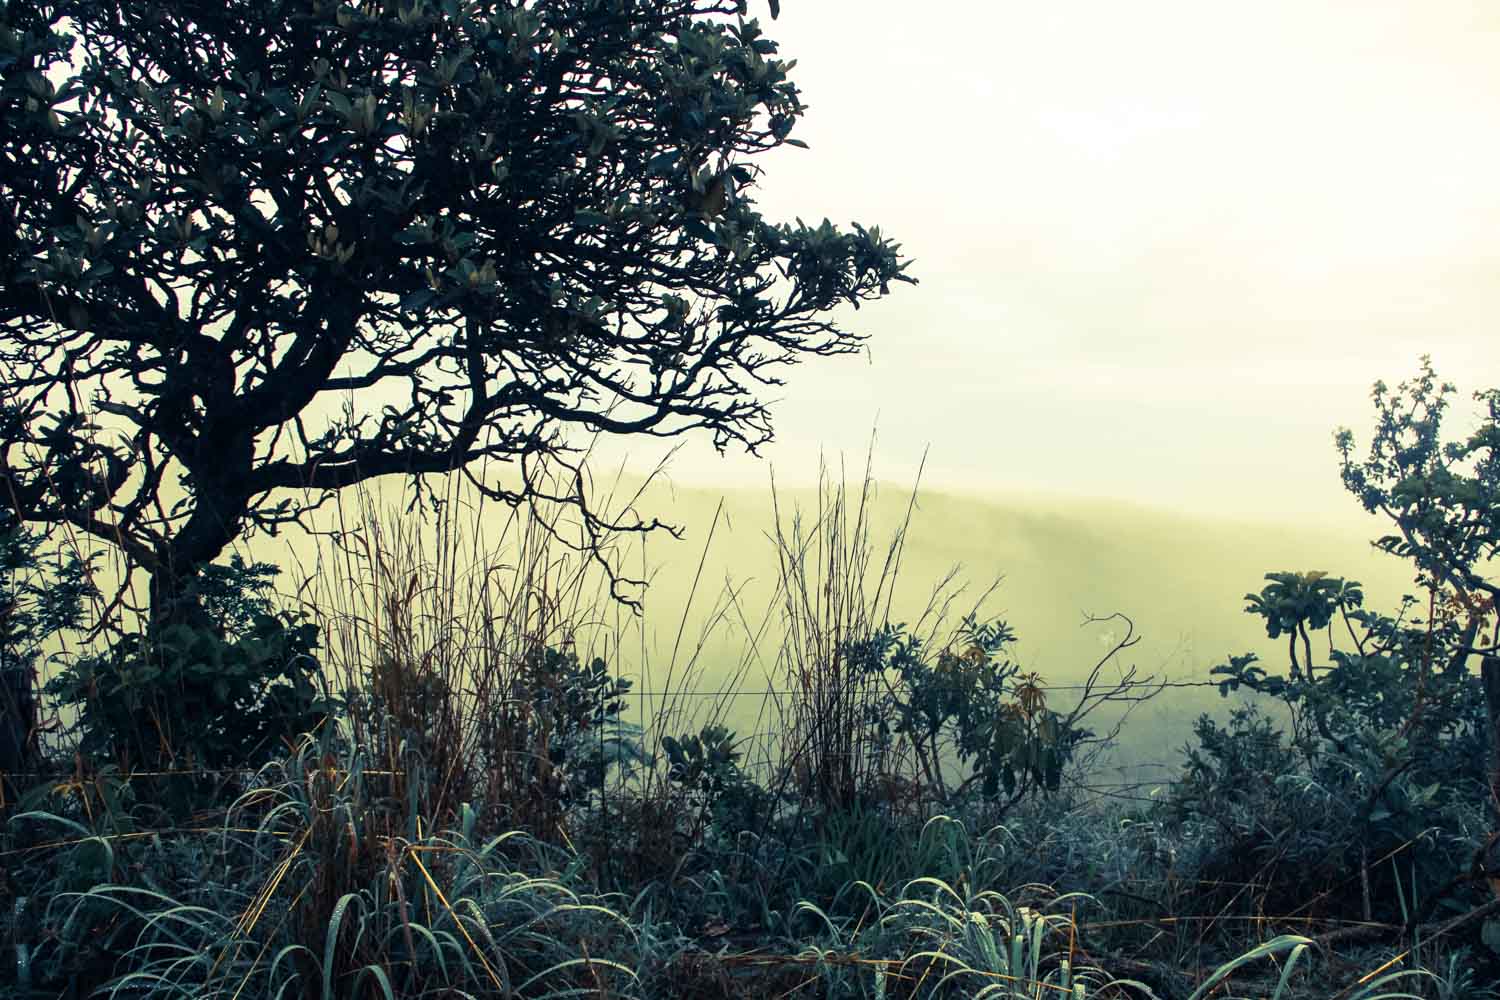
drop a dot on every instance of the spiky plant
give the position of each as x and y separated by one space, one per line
317 885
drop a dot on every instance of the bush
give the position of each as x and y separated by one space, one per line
1379 785
36 603
975 706
554 732
186 698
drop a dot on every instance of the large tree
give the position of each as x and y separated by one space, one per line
255 251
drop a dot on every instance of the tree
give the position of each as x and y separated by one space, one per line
253 252
1393 729
1443 497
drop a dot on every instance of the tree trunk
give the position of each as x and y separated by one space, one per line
1489 674
174 601
18 737
213 526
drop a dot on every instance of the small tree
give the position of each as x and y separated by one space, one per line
1394 724
1443 497
255 251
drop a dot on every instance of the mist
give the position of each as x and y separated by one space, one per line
708 635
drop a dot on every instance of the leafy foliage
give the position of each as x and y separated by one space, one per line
1390 745
38 599
186 699
242 229
1400 692
1443 497
1293 603
977 705
706 766
560 727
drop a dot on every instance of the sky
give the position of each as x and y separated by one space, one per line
1165 248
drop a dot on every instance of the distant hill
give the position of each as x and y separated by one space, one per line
1180 578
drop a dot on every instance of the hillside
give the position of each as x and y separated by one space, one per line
1180 578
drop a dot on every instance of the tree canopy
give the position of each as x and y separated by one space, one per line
255 251
1443 497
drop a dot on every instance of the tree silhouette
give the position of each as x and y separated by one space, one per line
256 251
1443 497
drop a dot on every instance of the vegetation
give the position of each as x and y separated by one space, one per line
421 774
253 253
439 793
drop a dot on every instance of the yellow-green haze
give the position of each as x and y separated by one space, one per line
1180 579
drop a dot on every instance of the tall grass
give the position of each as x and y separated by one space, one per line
435 839
439 624
318 885
836 589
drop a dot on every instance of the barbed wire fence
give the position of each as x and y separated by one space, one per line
719 697
1101 788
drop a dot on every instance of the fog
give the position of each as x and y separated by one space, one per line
1164 248
1056 562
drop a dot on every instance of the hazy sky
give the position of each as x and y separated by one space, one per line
1164 248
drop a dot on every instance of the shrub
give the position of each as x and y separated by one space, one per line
975 706
37 601
551 733
1380 779
186 698
711 785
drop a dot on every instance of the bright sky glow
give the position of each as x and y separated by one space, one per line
1165 248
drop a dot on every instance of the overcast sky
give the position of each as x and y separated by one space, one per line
1164 248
